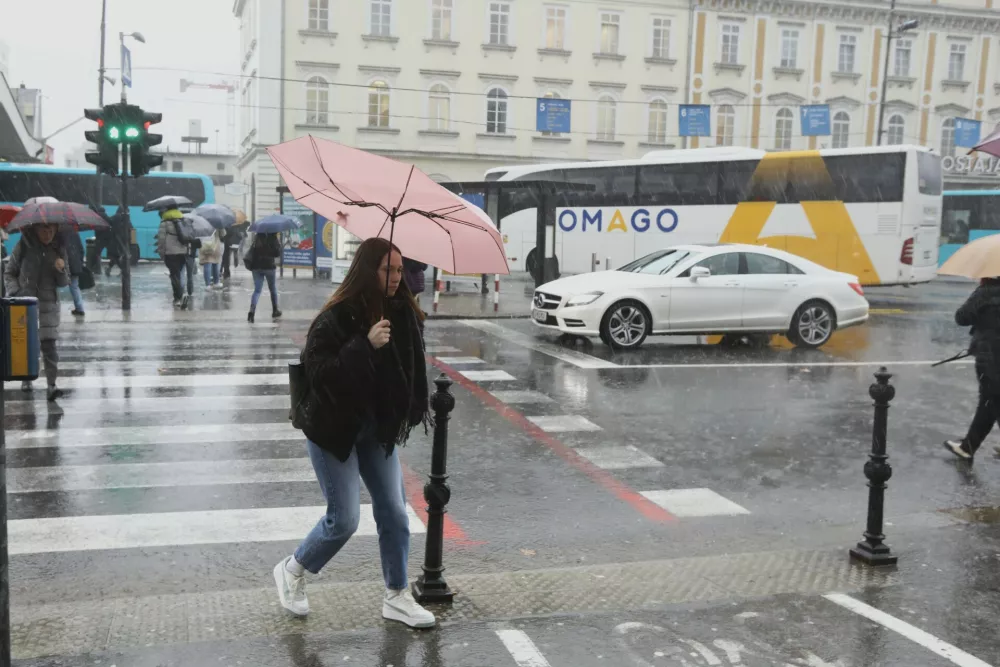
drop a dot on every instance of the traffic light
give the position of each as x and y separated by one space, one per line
106 156
142 159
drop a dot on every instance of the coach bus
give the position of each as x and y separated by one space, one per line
967 215
20 182
872 212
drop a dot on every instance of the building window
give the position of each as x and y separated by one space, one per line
783 121
220 166
956 62
551 96
500 23
901 61
607 116
381 17
441 19
845 55
440 108
319 15
841 130
176 165
789 48
725 125
948 137
555 27
657 133
611 24
496 111
317 101
897 130
661 38
378 104
730 43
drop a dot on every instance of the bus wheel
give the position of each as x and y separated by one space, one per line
531 264
625 325
812 325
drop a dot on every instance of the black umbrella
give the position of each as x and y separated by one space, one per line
77 216
167 202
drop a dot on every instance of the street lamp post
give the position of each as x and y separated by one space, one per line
890 33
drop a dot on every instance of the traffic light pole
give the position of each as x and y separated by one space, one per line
124 234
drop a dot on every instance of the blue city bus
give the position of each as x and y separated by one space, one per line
966 216
20 182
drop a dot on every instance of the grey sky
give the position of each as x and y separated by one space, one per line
55 46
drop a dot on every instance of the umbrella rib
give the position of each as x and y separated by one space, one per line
319 158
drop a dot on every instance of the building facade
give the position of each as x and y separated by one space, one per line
221 168
454 87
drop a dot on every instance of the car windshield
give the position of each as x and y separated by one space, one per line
656 263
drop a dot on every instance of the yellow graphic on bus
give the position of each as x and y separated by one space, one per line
837 244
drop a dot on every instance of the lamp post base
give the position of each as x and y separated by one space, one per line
435 591
876 555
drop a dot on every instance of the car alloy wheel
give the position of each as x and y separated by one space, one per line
814 325
627 325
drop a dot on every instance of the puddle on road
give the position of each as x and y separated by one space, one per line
988 515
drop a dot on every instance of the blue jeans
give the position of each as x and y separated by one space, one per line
211 273
74 289
258 287
340 482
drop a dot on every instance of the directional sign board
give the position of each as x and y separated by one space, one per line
552 115
126 67
695 120
967 132
815 120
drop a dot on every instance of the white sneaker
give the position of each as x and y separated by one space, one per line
291 590
400 606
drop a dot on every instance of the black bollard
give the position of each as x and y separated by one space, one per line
873 550
431 586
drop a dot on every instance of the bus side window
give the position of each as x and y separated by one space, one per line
958 218
734 181
867 179
679 184
613 186
988 216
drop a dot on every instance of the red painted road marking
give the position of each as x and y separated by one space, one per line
415 490
646 507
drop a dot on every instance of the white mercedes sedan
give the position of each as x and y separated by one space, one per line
702 289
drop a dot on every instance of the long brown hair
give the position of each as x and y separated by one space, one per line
361 284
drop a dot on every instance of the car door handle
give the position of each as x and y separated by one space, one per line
791 284
732 284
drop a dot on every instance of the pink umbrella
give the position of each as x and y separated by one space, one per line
990 144
369 196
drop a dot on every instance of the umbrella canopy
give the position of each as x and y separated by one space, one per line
167 202
274 224
990 144
369 196
7 213
196 226
220 216
979 259
74 215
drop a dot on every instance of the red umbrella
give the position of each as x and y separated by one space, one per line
7 213
373 196
77 216
990 144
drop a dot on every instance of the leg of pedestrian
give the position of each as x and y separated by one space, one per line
258 287
50 359
175 265
982 422
272 288
77 294
206 270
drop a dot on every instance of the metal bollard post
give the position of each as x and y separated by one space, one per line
431 586
594 262
873 550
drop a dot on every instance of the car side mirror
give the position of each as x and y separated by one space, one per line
700 272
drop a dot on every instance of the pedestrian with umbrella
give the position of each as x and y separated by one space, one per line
233 240
262 256
174 249
39 266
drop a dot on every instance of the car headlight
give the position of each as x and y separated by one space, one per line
584 299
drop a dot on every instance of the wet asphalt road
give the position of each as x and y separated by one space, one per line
163 489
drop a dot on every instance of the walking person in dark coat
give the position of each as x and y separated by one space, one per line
981 311
364 361
260 260
74 258
38 267
232 240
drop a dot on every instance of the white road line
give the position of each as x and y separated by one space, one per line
802 364
456 361
110 354
573 357
98 406
151 435
488 376
231 364
136 381
914 634
441 349
694 503
521 648
515 396
563 423
149 475
155 344
619 458
133 531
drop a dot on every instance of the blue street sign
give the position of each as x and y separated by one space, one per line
815 120
967 132
552 115
695 120
126 66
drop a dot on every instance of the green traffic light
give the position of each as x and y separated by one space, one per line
132 133
113 133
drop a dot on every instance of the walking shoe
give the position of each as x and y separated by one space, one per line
250 317
26 386
958 448
400 606
78 313
275 314
55 393
177 303
291 589
186 302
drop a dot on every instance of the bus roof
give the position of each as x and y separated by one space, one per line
51 168
687 155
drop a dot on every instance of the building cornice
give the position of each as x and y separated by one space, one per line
844 102
951 108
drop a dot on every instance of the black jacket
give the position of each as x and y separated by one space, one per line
266 248
352 383
981 311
